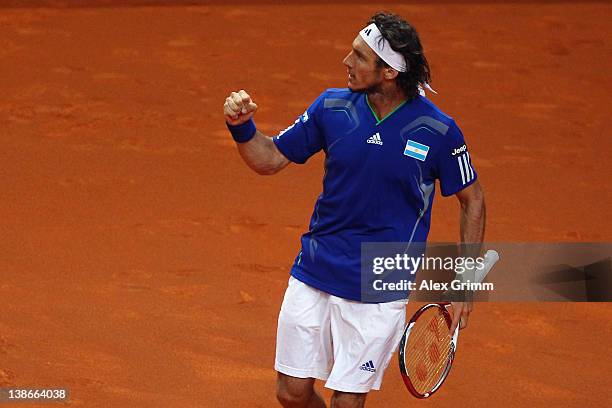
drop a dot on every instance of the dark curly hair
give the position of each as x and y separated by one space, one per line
404 39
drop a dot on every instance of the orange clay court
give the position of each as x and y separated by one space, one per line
143 264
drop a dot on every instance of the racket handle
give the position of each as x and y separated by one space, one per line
456 336
490 258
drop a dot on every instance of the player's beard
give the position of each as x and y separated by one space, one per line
368 89
375 87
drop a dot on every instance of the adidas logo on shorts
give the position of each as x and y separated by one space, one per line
369 366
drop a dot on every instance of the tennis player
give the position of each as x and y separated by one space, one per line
385 144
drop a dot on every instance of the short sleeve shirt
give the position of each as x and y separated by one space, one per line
379 180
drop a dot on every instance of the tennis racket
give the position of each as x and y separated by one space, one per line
427 349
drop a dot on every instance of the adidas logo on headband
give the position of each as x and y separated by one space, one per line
382 48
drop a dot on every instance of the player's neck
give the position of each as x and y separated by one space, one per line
385 99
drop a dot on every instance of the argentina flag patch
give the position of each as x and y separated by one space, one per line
416 150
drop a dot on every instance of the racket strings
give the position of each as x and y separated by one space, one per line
427 350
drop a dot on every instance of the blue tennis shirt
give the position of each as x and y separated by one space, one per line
379 180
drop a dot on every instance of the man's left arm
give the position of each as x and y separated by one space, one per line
472 229
473 214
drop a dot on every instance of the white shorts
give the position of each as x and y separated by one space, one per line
346 343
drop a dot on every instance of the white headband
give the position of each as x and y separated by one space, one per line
379 44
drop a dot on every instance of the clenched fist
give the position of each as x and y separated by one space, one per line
238 108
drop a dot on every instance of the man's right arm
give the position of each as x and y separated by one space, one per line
259 152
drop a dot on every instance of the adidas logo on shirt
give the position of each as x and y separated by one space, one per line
375 138
369 366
